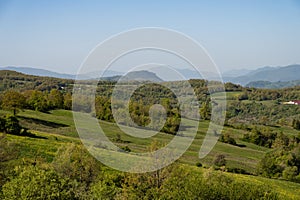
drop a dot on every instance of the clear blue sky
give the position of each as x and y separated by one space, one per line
58 35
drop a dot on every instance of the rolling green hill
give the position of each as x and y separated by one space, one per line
56 129
16 80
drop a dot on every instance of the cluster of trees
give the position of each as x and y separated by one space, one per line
282 162
269 94
259 113
149 94
259 95
35 100
139 107
231 87
266 137
139 113
261 136
237 111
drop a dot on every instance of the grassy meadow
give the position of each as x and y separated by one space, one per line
56 128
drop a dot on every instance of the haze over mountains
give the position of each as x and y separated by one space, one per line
271 74
266 77
44 72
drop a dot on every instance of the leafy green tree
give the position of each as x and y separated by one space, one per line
13 100
68 101
38 101
103 108
205 111
268 166
56 99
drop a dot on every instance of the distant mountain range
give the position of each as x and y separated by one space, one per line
270 74
38 72
111 75
265 77
142 75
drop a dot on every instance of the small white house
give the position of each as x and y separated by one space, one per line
295 102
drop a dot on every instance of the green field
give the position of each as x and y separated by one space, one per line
56 129
61 122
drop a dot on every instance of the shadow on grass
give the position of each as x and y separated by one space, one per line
42 122
240 145
30 135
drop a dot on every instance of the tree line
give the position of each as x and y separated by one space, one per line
35 100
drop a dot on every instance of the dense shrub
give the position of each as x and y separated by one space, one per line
73 161
188 184
34 183
226 138
12 125
261 137
199 164
296 124
220 160
2 124
109 186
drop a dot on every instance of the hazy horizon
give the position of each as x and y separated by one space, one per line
124 71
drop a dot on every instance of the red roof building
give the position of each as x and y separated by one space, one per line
297 102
